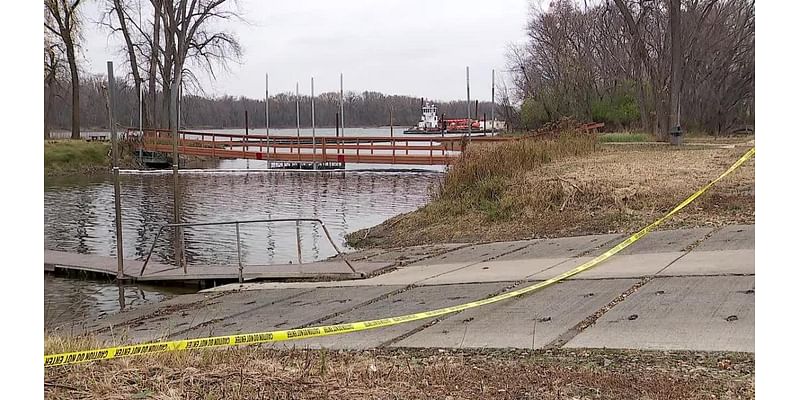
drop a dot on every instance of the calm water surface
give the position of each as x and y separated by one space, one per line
79 217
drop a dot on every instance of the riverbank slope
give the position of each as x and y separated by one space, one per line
572 187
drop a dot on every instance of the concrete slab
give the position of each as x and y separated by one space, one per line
733 237
564 247
167 320
477 253
294 312
411 254
410 301
415 273
531 321
666 241
723 262
495 271
619 266
682 313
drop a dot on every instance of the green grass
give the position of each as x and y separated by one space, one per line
75 156
624 137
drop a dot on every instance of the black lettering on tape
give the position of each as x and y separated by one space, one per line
255 337
208 342
338 328
377 322
302 332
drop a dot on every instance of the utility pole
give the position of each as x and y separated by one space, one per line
115 169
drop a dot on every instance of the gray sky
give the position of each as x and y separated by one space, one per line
411 47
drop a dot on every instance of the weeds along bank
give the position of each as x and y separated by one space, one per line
67 156
570 184
261 373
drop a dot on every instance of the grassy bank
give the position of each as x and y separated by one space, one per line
72 157
259 372
75 156
571 186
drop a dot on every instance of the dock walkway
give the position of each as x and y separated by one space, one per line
60 261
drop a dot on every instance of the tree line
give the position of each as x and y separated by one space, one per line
646 64
365 109
168 44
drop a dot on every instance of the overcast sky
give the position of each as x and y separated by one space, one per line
411 47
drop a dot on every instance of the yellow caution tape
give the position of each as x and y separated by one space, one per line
292 334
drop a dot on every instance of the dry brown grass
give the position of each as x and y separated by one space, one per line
619 188
261 373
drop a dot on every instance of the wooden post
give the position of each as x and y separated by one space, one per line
115 169
469 121
313 129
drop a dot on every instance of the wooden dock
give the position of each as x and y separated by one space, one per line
395 150
60 261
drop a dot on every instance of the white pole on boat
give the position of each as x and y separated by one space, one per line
313 129
469 120
492 103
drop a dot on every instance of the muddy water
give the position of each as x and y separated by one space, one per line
79 217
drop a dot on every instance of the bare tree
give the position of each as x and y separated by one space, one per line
662 63
65 24
53 69
190 41
118 19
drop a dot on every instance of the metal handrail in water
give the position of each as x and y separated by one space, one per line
238 240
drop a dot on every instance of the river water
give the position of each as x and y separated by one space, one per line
79 217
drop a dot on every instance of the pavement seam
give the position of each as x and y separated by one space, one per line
590 320
353 308
408 287
435 321
249 310
483 260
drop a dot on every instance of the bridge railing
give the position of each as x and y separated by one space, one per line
236 224
429 150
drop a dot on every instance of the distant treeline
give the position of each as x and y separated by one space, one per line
360 109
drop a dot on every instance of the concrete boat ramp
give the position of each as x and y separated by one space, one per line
688 289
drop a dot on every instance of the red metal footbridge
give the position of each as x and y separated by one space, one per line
408 150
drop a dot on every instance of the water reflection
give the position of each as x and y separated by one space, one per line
79 212
67 301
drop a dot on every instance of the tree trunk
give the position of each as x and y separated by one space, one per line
48 106
153 116
76 100
676 81
137 82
